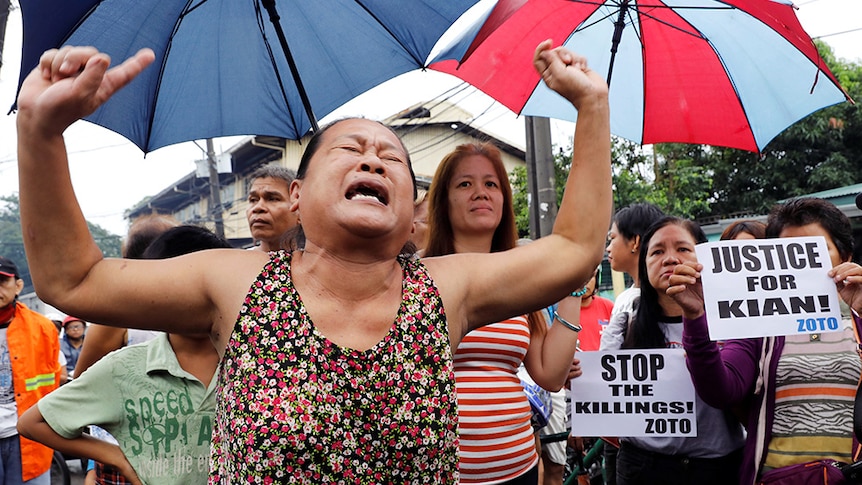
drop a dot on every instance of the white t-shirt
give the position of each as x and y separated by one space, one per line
8 408
614 333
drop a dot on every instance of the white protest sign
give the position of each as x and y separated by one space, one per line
762 287
633 393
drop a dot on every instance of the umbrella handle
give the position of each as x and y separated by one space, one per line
619 25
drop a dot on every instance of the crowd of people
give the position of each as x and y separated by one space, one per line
375 333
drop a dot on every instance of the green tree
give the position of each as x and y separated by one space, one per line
12 242
668 176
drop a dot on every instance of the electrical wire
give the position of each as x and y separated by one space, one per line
839 33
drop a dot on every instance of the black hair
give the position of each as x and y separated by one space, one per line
314 145
143 231
645 332
635 219
183 240
810 210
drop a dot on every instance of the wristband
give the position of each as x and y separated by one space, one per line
571 326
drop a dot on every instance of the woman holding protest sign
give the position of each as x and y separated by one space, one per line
801 387
713 456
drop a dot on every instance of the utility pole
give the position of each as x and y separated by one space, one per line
540 176
215 207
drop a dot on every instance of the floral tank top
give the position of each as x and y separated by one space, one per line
294 407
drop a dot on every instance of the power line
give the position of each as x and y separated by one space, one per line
839 33
456 96
73 152
472 124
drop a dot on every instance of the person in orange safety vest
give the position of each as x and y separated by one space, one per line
29 369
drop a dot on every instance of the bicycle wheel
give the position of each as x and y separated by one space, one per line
59 470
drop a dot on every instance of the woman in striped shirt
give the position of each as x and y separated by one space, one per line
471 212
798 390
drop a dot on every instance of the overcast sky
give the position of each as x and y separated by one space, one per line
111 175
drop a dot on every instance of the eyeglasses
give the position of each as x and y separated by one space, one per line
75 327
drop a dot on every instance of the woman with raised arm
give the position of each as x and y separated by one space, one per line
337 358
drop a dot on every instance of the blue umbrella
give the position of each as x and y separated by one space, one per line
239 67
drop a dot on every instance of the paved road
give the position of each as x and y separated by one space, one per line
75 471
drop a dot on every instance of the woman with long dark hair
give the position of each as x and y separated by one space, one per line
713 456
624 242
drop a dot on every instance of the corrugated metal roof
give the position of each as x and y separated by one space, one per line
839 193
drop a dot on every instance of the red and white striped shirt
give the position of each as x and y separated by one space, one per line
497 441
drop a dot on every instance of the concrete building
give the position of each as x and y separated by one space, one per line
429 131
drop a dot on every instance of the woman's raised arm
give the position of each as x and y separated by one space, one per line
67 266
500 285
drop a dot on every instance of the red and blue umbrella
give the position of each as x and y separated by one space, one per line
731 73
239 67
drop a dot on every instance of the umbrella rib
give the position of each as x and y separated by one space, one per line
78 24
419 62
152 114
695 33
597 21
260 24
191 9
275 20
671 7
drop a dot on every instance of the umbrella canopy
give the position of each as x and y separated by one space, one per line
731 73
220 68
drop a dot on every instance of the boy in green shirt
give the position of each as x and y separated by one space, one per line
157 398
